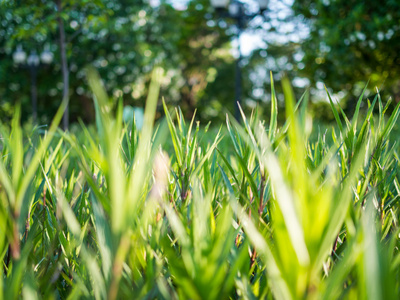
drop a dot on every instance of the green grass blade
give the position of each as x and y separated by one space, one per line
334 110
274 112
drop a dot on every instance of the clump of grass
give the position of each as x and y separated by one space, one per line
262 212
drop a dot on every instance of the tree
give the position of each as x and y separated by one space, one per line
39 21
124 40
350 42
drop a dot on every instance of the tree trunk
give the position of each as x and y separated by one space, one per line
64 62
33 70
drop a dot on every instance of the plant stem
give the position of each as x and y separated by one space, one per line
122 251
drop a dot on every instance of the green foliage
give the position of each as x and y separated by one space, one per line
124 40
178 211
350 42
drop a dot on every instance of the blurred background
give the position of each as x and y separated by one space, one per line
214 53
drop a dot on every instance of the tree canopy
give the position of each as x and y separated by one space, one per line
124 40
351 42
341 44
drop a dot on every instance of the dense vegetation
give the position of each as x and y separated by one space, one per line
337 43
166 212
350 41
124 40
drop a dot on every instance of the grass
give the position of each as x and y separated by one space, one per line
172 211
